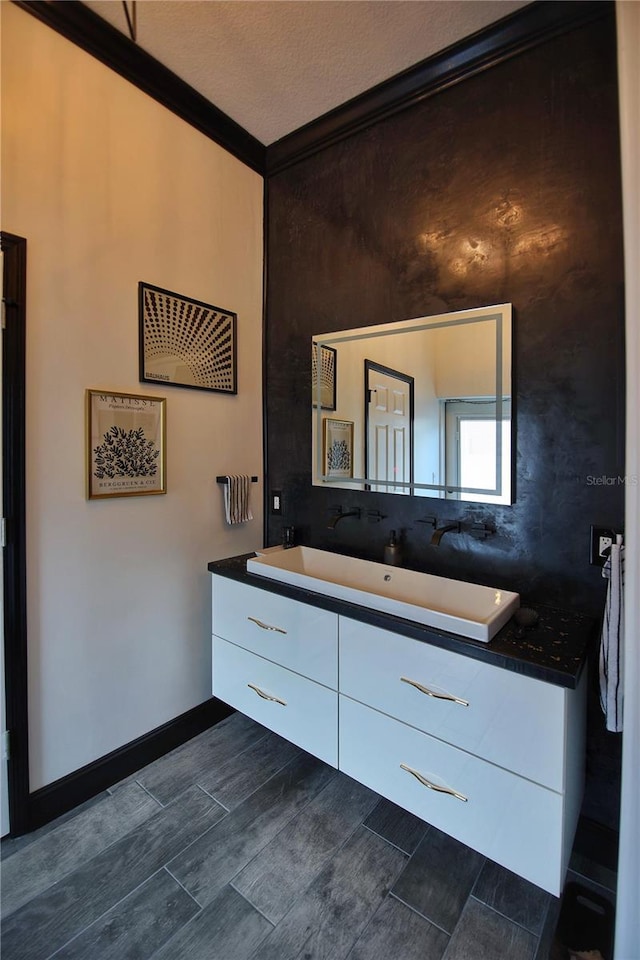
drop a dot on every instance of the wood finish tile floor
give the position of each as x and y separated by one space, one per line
239 846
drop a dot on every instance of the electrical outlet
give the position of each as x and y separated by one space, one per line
601 540
276 502
604 546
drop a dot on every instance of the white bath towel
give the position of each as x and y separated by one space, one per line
236 499
612 640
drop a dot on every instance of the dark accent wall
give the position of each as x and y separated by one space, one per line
504 187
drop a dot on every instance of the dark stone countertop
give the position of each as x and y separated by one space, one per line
554 650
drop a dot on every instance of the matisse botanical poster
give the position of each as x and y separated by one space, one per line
125 444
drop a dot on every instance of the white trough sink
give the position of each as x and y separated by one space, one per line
468 609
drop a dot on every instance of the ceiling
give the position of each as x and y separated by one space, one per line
275 65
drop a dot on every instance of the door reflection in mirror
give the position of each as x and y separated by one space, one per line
388 432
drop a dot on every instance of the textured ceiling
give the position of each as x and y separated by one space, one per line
274 65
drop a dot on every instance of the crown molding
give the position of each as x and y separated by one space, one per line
104 42
526 28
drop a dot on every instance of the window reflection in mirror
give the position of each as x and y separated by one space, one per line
429 400
471 456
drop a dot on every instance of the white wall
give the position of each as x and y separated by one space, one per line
628 894
109 188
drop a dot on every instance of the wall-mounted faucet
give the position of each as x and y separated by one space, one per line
440 532
342 515
475 529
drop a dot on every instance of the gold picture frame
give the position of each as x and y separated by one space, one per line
125 445
337 448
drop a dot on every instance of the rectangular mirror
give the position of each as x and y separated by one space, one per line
419 407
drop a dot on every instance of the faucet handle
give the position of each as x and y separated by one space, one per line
430 521
481 530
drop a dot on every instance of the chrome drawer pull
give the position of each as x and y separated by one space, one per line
266 696
433 786
265 626
432 693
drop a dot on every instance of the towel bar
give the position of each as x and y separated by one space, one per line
224 480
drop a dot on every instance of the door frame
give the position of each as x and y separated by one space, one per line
405 378
14 292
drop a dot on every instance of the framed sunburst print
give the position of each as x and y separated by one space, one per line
323 376
185 342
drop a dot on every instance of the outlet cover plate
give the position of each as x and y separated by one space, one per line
597 533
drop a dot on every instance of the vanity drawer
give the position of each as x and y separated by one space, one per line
513 721
295 635
308 716
505 817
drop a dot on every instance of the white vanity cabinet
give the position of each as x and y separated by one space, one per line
511 720
490 756
276 660
506 817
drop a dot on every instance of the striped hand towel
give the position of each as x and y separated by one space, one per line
612 640
236 499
